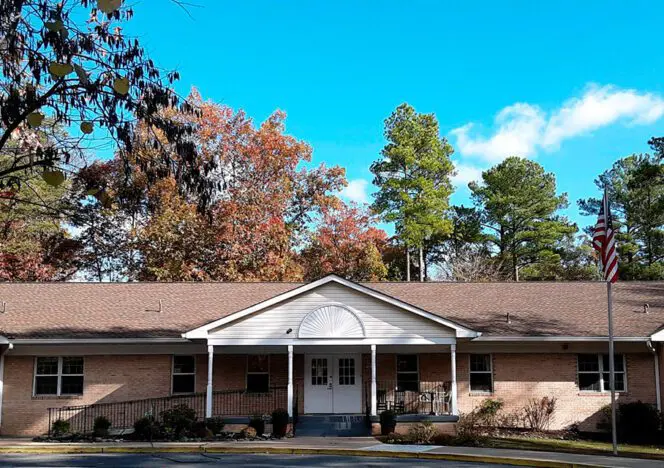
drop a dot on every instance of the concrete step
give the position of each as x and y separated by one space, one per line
334 425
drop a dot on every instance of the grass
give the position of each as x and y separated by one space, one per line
575 446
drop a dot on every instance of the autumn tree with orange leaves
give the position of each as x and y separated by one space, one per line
263 205
346 243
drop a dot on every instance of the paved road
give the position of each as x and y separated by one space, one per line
192 460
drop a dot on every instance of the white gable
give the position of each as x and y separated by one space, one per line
332 310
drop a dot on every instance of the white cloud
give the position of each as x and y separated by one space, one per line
523 129
356 191
519 127
465 174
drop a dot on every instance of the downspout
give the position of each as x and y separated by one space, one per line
653 350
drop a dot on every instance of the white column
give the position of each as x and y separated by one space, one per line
208 396
290 381
2 379
453 403
374 402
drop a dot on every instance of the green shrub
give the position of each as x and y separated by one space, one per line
60 427
422 433
280 422
258 423
388 422
101 426
215 425
248 433
488 411
637 421
146 428
178 420
200 429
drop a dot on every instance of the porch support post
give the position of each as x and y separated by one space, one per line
290 381
208 395
373 381
453 403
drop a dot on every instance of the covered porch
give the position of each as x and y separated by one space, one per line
328 379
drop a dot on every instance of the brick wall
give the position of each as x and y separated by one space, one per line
521 377
107 379
517 378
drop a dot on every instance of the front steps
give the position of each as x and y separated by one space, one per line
332 425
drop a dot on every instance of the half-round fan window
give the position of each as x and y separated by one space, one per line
331 321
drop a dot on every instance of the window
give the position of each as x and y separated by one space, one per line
346 371
319 371
258 373
58 376
184 374
481 374
593 372
408 377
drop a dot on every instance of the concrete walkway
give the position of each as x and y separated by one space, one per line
355 446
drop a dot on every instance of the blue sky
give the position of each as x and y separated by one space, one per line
573 85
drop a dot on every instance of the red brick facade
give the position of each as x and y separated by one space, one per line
517 378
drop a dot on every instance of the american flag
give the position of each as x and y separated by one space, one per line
604 242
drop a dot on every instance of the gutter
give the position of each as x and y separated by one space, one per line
33 341
635 339
652 349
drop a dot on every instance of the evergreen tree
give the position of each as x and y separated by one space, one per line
519 205
413 176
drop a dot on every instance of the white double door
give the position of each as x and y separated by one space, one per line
332 383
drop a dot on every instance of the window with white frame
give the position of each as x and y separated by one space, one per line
408 375
593 372
57 376
184 374
258 373
481 373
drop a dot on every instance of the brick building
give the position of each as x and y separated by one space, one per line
427 350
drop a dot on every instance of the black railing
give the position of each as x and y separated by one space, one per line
414 397
123 414
242 403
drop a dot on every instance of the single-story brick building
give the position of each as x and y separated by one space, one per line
426 350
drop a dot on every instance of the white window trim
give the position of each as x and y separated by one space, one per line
471 372
396 367
59 376
246 374
600 362
173 374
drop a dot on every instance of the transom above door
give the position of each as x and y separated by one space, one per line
332 384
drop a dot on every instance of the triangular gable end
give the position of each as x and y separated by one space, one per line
204 331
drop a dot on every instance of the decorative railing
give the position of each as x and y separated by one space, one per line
416 397
123 414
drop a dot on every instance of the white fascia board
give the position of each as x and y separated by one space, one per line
327 341
202 332
657 336
3 340
46 341
559 338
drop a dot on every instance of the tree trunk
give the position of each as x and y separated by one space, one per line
421 264
407 264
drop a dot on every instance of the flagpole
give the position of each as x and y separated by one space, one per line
612 374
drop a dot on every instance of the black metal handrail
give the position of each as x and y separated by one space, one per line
123 414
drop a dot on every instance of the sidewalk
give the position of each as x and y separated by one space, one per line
355 446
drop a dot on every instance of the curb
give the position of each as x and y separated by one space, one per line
500 460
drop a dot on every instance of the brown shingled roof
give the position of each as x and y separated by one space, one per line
87 310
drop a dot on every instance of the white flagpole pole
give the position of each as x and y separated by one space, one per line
612 375
612 365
